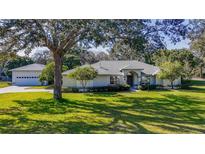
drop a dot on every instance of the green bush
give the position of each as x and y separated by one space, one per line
70 89
159 86
147 86
124 87
152 87
185 84
114 88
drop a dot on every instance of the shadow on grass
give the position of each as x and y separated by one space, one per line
127 115
103 94
195 89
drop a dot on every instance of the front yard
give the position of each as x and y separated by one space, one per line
4 84
174 111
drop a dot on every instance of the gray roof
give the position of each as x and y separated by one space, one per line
31 67
115 67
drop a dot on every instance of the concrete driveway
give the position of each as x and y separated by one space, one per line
15 89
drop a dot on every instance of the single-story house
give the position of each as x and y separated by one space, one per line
27 75
120 72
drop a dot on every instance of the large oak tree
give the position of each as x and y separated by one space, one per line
60 36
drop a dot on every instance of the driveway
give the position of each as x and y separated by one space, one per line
15 89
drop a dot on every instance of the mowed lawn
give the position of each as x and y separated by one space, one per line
177 111
4 84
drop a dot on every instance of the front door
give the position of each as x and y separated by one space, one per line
130 80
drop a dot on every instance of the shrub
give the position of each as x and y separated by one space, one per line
114 88
147 86
185 84
143 87
159 86
124 87
70 89
152 87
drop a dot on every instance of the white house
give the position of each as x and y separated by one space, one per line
27 75
120 72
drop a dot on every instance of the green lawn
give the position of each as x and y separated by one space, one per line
175 111
4 84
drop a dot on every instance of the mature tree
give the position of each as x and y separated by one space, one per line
170 71
42 56
5 57
15 62
48 73
122 51
87 57
90 57
197 37
184 56
83 74
71 60
102 56
198 47
60 36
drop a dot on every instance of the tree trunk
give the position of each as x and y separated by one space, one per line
172 84
201 72
57 76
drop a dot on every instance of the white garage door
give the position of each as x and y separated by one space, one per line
26 79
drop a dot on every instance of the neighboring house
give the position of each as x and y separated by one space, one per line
27 75
120 72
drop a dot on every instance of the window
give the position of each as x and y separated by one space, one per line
113 79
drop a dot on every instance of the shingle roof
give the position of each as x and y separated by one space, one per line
115 67
31 67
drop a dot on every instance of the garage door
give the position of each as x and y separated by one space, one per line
27 81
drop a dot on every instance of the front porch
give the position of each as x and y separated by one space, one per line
134 78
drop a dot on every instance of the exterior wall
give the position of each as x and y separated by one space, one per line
89 84
69 82
153 80
26 78
104 80
165 82
136 79
101 80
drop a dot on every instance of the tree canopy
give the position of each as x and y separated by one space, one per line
42 56
197 44
60 36
170 71
184 56
83 74
15 62
48 73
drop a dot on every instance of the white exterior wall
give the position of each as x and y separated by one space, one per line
89 84
166 82
101 80
136 79
153 80
104 80
68 82
28 78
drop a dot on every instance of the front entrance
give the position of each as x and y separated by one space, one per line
130 79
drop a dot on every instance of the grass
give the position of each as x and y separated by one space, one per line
4 84
168 111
